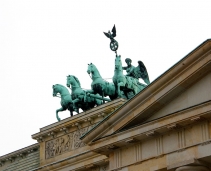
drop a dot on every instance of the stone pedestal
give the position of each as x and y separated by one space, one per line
192 168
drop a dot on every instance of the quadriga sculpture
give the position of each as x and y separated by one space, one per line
80 97
99 85
66 100
125 83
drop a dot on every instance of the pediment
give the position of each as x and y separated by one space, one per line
198 93
186 84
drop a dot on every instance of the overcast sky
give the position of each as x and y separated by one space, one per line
43 41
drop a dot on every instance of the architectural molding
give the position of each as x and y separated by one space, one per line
19 153
167 126
77 121
157 94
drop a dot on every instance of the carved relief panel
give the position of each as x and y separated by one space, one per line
100 168
65 143
104 168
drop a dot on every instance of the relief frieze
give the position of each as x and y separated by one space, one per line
65 143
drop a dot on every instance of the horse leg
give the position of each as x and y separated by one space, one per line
135 88
118 89
57 111
134 92
76 110
98 102
126 94
74 104
70 108
103 95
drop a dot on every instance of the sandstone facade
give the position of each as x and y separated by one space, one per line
167 126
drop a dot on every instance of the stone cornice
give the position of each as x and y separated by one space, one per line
175 121
19 153
153 97
74 160
76 121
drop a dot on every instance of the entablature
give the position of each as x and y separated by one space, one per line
74 162
173 122
84 119
18 154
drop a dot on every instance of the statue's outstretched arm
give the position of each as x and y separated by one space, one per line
124 68
90 91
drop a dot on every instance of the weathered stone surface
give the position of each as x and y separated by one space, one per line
165 127
65 143
21 160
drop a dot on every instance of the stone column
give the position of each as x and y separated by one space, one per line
192 168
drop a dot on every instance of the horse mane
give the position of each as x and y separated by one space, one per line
96 70
94 66
76 79
60 85
119 57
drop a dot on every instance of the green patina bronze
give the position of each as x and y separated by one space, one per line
99 85
123 86
136 72
125 83
113 44
81 98
66 100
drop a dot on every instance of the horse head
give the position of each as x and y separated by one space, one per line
55 90
71 79
118 62
90 68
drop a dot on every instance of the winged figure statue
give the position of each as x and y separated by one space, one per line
137 72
